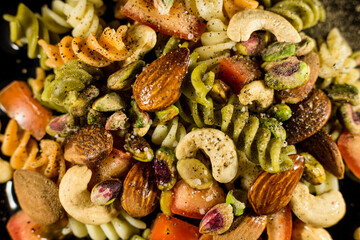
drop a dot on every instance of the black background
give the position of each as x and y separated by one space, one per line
340 13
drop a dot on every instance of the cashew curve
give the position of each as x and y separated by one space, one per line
75 198
217 145
243 23
324 210
257 92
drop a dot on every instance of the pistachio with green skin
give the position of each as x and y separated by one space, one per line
138 147
220 91
281 112
256 43
217 220
314 172
194 173
110 102
140 119
286 74
165 170
343 93
122 79
166 115
278 51
81 106
165 202
349 118
61 126
105 193
237 198
95 118
275 127
117 121
163 6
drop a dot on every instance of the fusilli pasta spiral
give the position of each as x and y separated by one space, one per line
23 152
206 9
336 65
301 14
95 52
63 88
27 28
80 15
169 133
122 227
216 44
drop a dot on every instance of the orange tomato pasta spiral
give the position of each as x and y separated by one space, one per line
23 151
95 52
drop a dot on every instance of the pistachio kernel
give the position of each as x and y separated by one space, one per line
286 74
138 147
164 166
220 91
349 118
237 199
105 193
194 173
281 112
343 93
122 79
314 172
217 220
278 51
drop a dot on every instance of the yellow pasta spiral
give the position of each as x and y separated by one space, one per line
95 52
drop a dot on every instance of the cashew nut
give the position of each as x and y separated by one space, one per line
217 145
243 23
324 210
257 92
75 198
302 231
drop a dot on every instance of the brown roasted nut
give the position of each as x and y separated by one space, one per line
298 94
249 226
140 194
88 145
309 116
270 192
159 85
326 151
38 196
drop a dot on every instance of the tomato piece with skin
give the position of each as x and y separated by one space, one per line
179 22
279 226
193 203
349 146
237 71
17 102
171 228
21 227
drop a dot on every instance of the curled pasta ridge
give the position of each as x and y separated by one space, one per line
301 14
25 153
100 52
122 227
168 134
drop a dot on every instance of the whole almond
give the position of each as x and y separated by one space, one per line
326 151
308 117
270 192
298 94
159 85
248 226
140 194
38 196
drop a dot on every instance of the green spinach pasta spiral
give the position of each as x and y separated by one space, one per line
301 14
27 28
63 88
250 135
